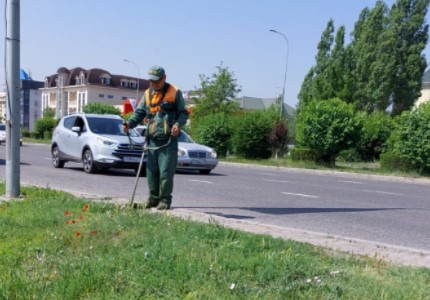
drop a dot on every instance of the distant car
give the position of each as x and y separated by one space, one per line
98 142
3 134
192 156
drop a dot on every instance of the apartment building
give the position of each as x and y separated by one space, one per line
30 106
69 90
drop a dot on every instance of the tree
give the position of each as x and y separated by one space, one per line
216 94
407 24
279 138
367 55
327 127
317 83
101 108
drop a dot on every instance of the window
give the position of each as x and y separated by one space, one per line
82 78
105 79
124 83
68 122
110 96
101 95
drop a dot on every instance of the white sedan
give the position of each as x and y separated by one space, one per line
192 156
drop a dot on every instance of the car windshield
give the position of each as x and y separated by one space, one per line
108 126
185 138
2 127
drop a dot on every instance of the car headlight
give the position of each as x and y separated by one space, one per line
106 143
212 153
182 152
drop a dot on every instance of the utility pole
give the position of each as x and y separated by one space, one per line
286 68
138 77
13 98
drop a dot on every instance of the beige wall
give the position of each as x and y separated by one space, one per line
425 96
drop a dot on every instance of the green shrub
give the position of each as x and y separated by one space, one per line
101 108
349 155
214 131
44 124
377 128
34 135
410 138
25 132
251 135
394 162
327 127
303 154
47 135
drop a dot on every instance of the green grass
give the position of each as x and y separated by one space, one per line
28 140
132 254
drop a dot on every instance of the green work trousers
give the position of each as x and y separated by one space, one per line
160 169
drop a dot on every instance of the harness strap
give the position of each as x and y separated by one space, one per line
163 94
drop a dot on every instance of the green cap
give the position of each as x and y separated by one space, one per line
155 73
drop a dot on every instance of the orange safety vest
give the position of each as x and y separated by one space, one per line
154 102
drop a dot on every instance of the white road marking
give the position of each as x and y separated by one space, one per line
268 174
350 181
272 180
209 182
301 195
383 192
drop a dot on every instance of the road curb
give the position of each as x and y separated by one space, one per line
390 178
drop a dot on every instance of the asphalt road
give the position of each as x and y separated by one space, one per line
380 209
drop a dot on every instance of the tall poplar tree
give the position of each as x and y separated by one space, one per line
365 46
317 84
409 31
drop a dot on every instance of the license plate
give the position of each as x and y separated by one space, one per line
197 162
131 159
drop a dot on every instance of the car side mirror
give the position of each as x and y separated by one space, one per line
76 129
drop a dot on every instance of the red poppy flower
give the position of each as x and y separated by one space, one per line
81 217
67 222
86 206
66 213
78 233
74 222
93 232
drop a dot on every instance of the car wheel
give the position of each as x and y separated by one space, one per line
205 172
142 171
56 160
88 163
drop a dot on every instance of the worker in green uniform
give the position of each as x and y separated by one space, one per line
164 111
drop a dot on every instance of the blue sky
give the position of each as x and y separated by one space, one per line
187 37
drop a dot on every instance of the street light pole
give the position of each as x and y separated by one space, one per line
286 68
138 76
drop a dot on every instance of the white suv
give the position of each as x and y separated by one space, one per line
98 142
